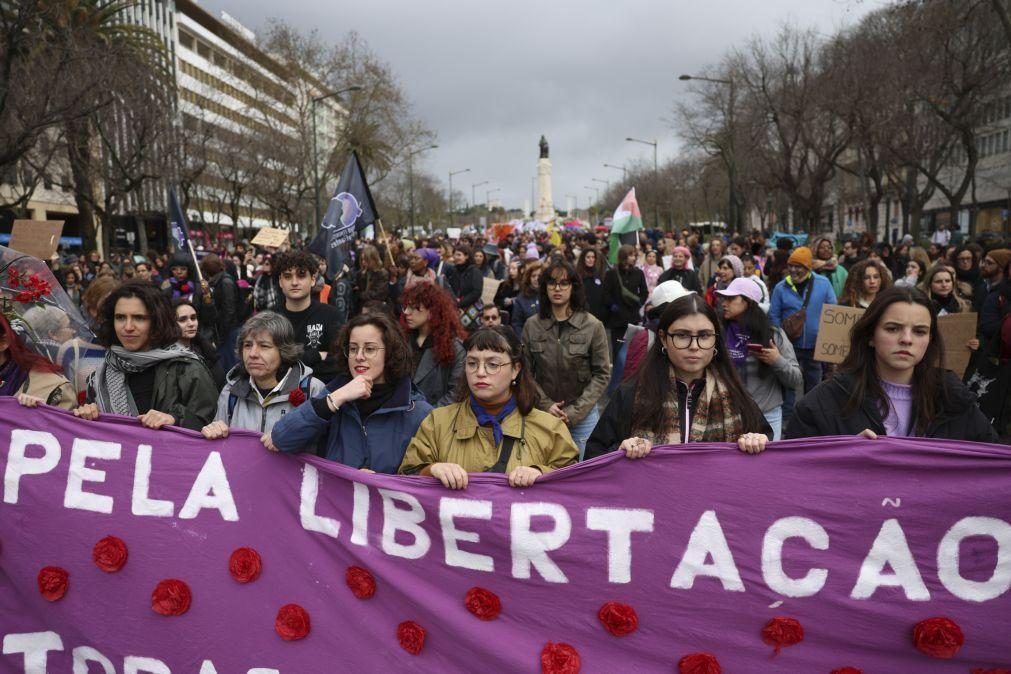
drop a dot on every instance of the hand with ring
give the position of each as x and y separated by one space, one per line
636 448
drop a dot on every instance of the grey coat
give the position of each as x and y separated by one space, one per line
785 373
437 382
249 413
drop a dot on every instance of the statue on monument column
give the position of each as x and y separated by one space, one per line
544 148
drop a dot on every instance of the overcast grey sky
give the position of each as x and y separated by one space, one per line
490 78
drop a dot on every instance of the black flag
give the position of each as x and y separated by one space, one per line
351 210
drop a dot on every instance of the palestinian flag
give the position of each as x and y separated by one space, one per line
627 221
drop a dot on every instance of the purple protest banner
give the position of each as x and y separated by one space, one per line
854 541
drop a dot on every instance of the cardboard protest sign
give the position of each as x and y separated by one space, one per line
833 341
270 237
454 232
38 238
956 330
488 291
158 551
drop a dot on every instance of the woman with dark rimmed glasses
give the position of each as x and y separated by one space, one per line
686 390
370 410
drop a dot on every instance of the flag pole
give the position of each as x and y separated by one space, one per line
389 253
200 276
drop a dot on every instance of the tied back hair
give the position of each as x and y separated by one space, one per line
930 395
503 340
654 381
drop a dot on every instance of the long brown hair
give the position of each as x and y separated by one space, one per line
653 381
853 288
930 395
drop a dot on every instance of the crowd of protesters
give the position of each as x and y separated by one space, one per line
526 354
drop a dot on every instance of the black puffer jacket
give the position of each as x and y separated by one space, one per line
820 413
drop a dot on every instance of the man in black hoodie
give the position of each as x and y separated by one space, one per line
316 325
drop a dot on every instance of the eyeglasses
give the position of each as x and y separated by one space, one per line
683 340
563 284
370 350
490 366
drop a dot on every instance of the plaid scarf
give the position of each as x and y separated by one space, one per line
108 385
715 418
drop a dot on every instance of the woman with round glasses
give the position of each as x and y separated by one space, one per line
686 390
495 427
568 352
370 410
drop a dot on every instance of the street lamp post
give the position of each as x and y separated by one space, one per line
575 203
734 214
607 183
315 152
596 202
451 174
656 179
624 171
410 179
473 193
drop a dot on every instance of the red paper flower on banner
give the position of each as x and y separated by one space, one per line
296 397
292 622
110 554
559 659
995 670
361 582
780 632
245 565
938 637
53 583
483 603
618 619
699 663
171 597
847 670
411 636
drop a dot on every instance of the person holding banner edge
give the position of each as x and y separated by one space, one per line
369 412
892 381
495 426
685 391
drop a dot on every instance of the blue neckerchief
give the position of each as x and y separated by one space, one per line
484 419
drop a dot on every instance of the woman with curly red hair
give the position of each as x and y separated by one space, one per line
434 332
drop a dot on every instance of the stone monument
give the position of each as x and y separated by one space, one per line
545 204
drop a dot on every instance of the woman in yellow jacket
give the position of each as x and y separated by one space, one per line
494 428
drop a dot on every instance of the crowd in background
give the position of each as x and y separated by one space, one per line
524 354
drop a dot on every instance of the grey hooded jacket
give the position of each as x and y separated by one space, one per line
247 412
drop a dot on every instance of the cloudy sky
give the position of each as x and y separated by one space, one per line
490 77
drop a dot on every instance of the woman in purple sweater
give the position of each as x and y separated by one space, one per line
893 381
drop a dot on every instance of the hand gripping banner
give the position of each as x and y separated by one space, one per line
129 550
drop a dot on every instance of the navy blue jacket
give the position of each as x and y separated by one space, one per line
378 444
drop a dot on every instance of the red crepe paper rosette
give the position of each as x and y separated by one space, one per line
53 583
618 619
171 597
781 632
938 637
559 659
292 622
411 636
699 663
110 554
361 582
483 603
245 565
296 397
847 670
995 670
